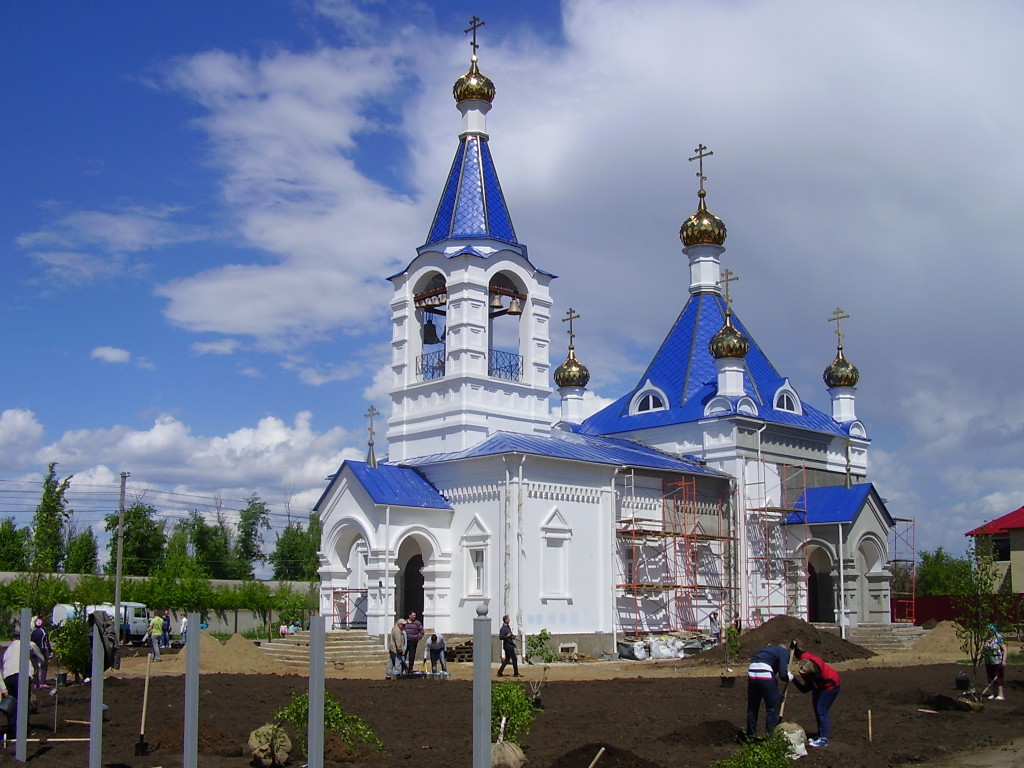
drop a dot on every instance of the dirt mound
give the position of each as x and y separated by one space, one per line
613 757
780 630
941 639
237 656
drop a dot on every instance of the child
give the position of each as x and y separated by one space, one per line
822 681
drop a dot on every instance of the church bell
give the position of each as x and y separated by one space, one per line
430 332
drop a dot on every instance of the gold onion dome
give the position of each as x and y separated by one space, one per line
728 342
474 85
703 227
841 372
572 373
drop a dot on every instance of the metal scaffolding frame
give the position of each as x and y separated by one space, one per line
903 570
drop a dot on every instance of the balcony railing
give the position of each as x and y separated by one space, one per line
505 365
431 365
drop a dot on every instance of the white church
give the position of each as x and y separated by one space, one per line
711 485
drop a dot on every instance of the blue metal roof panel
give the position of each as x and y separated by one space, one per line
574 447
396 486
835 504
472 204
684 369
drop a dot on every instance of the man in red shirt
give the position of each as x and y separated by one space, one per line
822 681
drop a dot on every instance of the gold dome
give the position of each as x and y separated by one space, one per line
728 342
703 227
841 372
474 85
572 373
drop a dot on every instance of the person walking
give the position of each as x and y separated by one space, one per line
508 648
41 639
165 633
156 630
434 648
814 675
994 654
767 667
413 632
396 650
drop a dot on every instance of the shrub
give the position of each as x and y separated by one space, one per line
509 700
537 649
71 643
353 730
769 752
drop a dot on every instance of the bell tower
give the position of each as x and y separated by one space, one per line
470 314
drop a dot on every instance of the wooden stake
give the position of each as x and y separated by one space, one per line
596 758
869 727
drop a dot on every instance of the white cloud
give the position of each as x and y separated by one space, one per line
20 434
111 355
220 347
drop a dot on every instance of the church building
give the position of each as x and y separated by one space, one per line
710 486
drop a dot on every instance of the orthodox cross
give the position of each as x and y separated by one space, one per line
728 276
569 317
474 25
838 315
371 459
702 152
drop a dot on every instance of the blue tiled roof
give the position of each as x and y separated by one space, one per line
472 204
836 504
392 485
685 371
575 447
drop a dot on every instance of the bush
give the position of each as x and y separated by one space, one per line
770 752
71 643
509 700
537 649
353 730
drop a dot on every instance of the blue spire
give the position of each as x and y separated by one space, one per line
472 204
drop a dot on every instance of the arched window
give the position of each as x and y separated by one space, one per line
784 402
786 399
648 398
649 402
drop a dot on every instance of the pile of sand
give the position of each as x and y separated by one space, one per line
237 656
941 639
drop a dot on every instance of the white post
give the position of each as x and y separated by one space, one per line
95 700
315 734
481 688
842 586
190 746
24 688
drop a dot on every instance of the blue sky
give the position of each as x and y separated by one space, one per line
203 200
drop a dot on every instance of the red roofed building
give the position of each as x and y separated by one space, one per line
1007 534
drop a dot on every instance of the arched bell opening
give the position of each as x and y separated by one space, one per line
505 307
431 304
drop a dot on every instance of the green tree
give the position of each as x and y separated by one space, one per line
295 555
248 549
144 540
49 523
82 552
14 546
211 545
939 573
978 600
180 582
92 589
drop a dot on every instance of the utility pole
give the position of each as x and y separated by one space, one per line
120 551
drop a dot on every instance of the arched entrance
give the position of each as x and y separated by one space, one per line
821 588
409 580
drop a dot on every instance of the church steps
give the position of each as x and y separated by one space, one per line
339 648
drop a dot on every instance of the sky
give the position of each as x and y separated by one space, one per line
203 200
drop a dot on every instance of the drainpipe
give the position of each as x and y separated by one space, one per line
519 549
614 564
505 542
842 586
387 573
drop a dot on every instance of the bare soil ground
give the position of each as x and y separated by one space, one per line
669 714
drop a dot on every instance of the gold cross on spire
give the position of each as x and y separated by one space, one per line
371 457
728 276
838 315
370 413
474 24
569 317
702 152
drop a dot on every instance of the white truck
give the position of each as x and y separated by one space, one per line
134 621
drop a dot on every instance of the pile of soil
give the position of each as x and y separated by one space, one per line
237 656
940 639
780 630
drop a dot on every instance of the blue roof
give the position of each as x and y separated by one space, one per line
836 504
472 204
685 371
575 447
392 485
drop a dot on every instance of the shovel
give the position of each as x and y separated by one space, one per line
785 686
142 748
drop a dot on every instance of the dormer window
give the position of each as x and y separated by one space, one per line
648 399
786 399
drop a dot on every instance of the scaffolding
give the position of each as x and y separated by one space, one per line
775 560
902 570
674 556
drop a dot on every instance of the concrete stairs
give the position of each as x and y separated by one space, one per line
885 637
340 649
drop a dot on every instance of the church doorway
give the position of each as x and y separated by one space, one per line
821 606
409 589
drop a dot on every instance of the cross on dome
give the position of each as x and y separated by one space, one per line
837 315
702 152
571 315
728 276
474 24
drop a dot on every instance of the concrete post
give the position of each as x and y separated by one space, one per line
190 745
315 732
481 689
